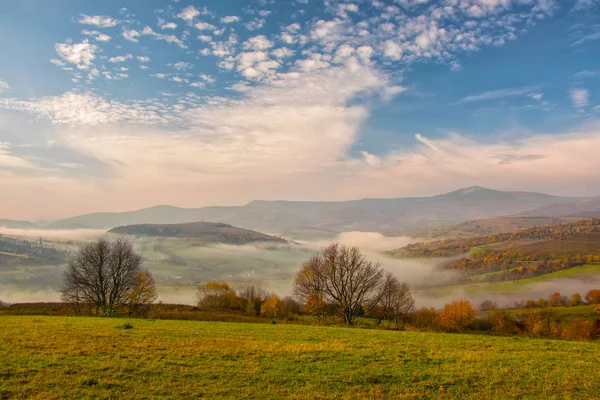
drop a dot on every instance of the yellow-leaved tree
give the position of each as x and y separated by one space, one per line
457 315
272 307
142 295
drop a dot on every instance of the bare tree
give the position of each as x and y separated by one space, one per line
101 275
341 276
396 300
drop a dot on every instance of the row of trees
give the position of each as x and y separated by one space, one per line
554 300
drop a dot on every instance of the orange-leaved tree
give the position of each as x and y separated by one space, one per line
457 315
593 296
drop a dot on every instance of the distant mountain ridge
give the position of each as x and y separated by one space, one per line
204 231
378 215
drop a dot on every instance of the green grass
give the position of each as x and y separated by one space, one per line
517 286
62 357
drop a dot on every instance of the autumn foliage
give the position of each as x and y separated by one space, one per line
593 296
457 315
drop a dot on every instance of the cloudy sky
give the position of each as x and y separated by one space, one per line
119 105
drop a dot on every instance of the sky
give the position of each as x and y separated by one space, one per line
120 105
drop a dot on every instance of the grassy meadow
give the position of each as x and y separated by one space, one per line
69 357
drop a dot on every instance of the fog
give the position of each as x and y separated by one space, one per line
271 266
64 234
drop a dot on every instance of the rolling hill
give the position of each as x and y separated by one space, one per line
204 231
479 227
583 209
378 215
13 224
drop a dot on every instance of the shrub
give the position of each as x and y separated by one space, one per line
502 322
579 329
531 304
542 323
457 315
593 296
425 318
576 300
488 305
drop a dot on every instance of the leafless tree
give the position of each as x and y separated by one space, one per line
396 300
101 275
341 276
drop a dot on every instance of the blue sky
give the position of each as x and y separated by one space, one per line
119 105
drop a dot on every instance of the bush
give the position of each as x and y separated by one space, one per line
593 296
502 322
425 318
542 323
579 329
457 315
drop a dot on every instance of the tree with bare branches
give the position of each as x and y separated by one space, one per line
341 276
396 300
101 275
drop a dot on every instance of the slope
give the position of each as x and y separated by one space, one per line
379 215
203 231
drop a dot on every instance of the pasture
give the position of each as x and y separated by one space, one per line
69 357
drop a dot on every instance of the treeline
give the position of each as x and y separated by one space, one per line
541 320
450 248
34 252
516 265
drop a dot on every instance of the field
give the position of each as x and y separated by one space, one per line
68 357
582 278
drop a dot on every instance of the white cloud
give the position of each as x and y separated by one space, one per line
365 52
103 38
255 24
583 5
100 37
162 24
81 54
537 96
392 50
167 38
204 38
257 43
204 26
580 97
120 59
189 13
497 94
87 109
101 21
4 86
282 52
131 35
230 19
143 59
182 66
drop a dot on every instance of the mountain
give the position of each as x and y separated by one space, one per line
9 223
584 209
203 231
479 227
379 215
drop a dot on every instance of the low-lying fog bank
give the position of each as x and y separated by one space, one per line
179 265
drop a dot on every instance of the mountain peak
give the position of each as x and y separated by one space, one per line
470 190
